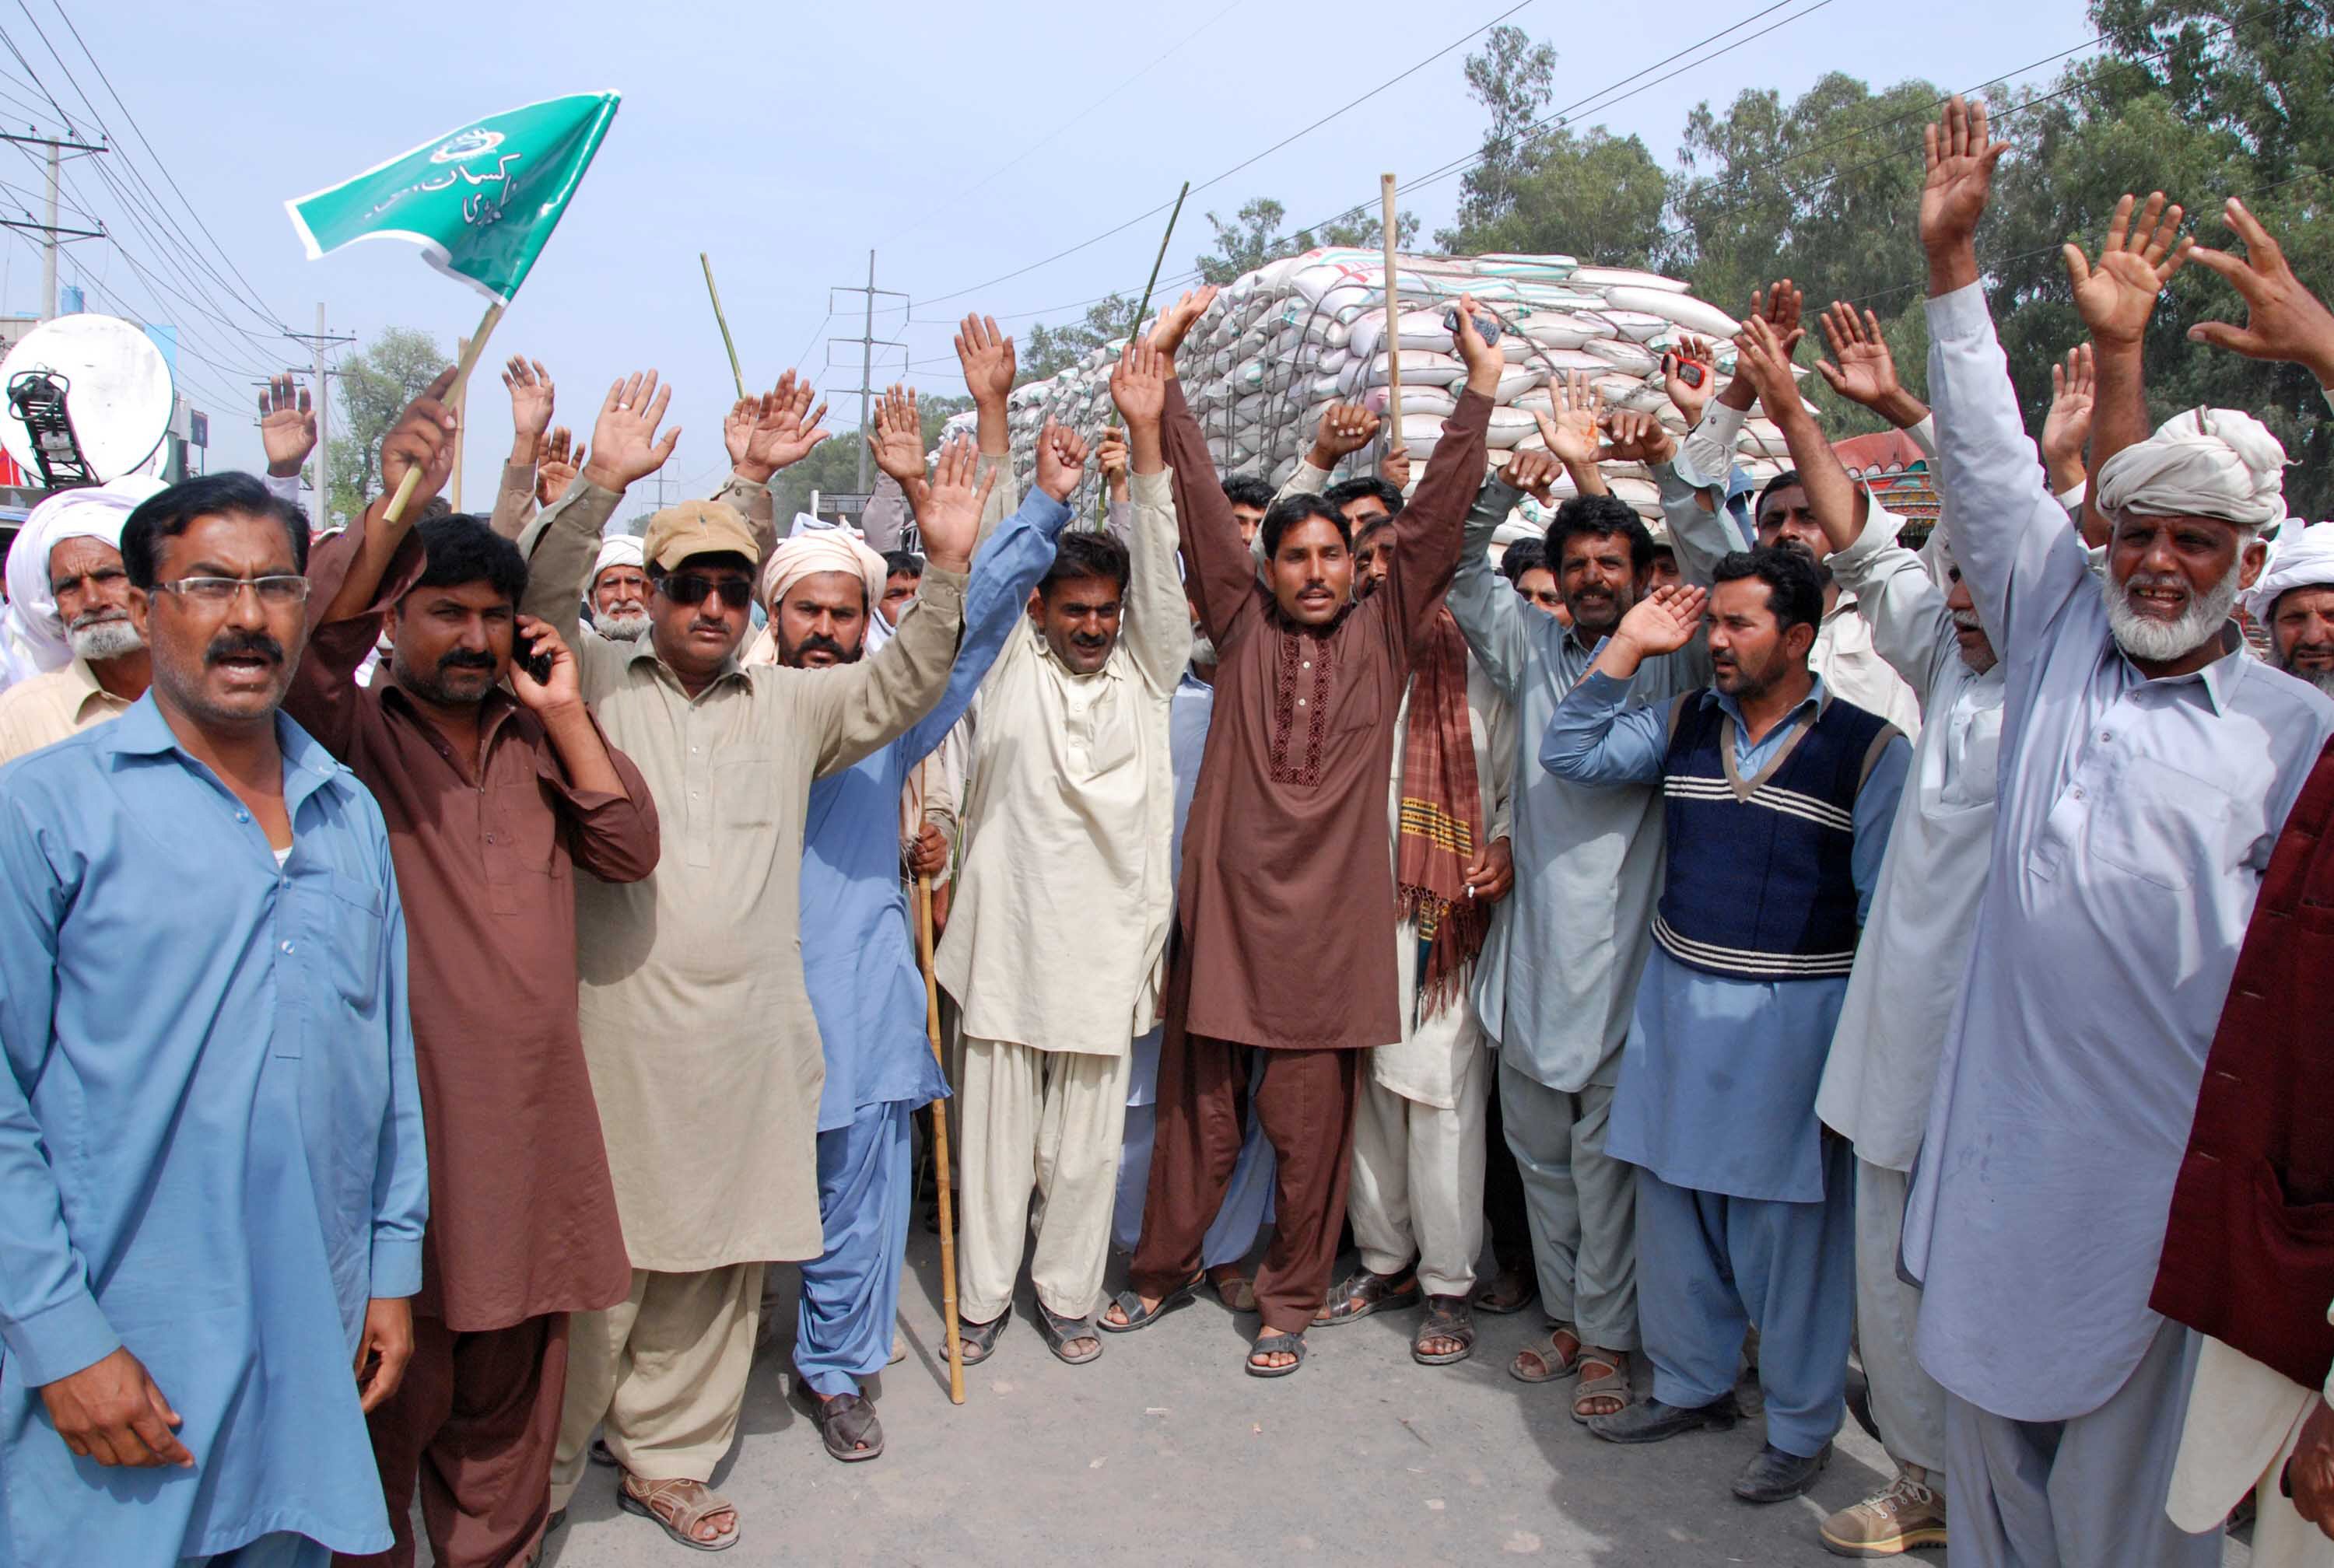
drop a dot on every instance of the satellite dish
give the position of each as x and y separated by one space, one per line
97 393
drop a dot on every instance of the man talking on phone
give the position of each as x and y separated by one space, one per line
494 795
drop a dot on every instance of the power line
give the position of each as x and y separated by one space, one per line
1235 168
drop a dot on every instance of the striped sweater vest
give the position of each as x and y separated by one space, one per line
1760 884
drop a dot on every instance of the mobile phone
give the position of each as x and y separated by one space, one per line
1484 325
1690 372
537 662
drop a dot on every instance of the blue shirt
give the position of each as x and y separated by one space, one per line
210 1140
1719 1076
859 961
1188 717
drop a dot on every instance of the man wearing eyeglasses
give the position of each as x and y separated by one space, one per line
496 798
704 1051
212 1172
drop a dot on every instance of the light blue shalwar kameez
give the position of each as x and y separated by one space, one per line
867 989
210 1144
1745 1206
1248 1201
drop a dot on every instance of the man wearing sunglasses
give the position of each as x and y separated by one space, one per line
212 1172
696 1025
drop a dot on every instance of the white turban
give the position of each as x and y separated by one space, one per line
827 550
2204 463
615 550
2304 559
31 637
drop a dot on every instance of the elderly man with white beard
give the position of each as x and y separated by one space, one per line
2146 765
619 589
76 658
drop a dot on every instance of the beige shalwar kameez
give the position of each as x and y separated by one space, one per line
704 1054
1058 929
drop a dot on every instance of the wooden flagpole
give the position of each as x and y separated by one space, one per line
1394 319
473 346
736 374
940 1143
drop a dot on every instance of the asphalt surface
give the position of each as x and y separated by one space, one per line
1164 1451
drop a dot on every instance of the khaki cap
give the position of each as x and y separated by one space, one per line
698 528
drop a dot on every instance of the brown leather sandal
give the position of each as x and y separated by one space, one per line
678 1507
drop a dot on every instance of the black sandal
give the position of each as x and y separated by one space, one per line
1273 1345
1364 1293
1447 1317
845 1422
1059 1332
1130 1302
978 1340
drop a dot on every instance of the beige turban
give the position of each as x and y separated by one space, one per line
2205 463
810 553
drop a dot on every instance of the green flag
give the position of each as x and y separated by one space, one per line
480 201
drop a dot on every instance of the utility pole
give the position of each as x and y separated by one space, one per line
868 343
318 343
58 146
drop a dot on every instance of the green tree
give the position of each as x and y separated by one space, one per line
375 386
2203 100
1514 78
1590 195
1253 238
1045 351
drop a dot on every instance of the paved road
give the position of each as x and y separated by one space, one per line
1163 1452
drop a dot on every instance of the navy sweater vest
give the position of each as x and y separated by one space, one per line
1760 885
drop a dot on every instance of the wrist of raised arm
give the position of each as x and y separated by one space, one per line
1952 265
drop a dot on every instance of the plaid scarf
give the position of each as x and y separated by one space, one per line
1441 819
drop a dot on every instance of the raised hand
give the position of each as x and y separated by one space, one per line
775 430
897 440
1781 304
1394 466
1111 457
1960 159
422 437
1663 621
1061 460
948 509
557 468
1346 428
1138 384
1176 322
111 1413
625 446
565 689
531 395
1485 364
2284 319
987 355
2067 428
1570 431
1534 474
1867 371
1635 437
1761 359
2117 295
1689 397
287 426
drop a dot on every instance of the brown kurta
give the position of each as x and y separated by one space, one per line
522 1212
1292 790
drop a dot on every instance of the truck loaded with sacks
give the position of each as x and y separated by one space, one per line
1284 343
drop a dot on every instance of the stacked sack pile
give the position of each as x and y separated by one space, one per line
1282 343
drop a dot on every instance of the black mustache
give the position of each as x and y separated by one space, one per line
229 645
818 643
465 658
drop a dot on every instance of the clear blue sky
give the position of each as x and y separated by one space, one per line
960 141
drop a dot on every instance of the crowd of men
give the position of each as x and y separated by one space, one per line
444 964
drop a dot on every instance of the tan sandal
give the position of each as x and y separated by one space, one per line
1604 1375
1546 1359
678 1507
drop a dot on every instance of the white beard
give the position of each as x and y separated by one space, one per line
622 628
102 640
2161 641
1204 652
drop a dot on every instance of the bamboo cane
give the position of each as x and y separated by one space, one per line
940 1143
1141 308
1394 319
474 345
721 320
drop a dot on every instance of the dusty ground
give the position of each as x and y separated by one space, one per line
1164 1452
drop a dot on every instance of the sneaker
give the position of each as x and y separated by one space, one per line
1910 1513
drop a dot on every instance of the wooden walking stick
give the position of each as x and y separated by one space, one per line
940 1143
1394 318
